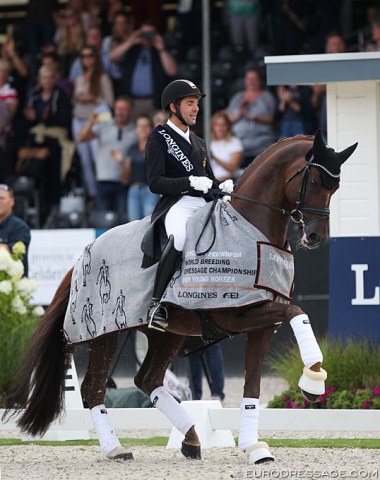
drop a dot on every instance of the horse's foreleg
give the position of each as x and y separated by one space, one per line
312 381
258 342
93 390
162 350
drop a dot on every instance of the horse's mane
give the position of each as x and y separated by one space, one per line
262 157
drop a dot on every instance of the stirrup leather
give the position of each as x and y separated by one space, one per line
156 323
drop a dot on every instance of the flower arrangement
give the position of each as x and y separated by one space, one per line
18 317
362 398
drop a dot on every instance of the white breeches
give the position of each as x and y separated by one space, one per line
177 217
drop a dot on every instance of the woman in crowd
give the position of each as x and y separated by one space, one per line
140 200
69 38
93 92
226 149
252 112
48 113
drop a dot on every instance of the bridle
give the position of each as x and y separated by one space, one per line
297 214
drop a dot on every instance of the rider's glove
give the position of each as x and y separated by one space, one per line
227 186
203 184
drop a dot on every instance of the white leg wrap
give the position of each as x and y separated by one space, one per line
107 437
173 410
249 422
309 348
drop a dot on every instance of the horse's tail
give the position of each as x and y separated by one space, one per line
39 391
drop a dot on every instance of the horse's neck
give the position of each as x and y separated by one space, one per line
264 186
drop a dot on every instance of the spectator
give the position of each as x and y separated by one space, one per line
374 44
296 109
94 40
146 68
51 59
251 112
8 107
210 360
69 38
243 20
226 150
39 23
159 118
47 152
141 201
334 44
12 228
111 135
120 33
92 92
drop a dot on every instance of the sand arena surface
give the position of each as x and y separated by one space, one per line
85 463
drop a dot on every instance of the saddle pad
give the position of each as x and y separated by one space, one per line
231 265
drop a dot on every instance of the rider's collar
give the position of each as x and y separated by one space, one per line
185 135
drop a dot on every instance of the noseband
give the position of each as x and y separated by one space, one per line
296 214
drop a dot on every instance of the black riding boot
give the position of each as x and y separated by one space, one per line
157 313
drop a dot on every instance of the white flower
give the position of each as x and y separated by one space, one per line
6 287
16 269
18 305
38 311
5 260
26 286
19 248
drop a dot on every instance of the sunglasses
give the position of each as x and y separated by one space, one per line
87 55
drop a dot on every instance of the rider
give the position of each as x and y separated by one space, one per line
178 168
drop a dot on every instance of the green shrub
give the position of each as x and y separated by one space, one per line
350 364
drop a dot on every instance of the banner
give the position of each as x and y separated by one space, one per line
354 306
51 255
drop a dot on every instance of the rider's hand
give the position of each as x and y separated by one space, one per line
227 186
202 184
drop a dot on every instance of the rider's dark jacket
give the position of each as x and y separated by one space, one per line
170 161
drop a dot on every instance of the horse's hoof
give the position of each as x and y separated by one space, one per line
310 397
259 453
312 383
120 453
191 451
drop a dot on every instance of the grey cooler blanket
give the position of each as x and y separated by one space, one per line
110 291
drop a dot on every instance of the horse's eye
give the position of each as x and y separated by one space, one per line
314 182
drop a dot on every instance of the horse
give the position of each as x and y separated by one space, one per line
292 179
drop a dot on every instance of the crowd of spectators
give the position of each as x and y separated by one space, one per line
80 87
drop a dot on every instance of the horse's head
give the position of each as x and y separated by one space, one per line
310 188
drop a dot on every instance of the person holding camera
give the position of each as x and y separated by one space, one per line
146 68
12 228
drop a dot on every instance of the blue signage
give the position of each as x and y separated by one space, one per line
354 303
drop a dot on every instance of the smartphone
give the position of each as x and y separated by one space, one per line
104 116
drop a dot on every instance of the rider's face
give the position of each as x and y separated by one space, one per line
189 109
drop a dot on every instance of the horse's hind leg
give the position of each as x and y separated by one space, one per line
258 342
162 350
93 390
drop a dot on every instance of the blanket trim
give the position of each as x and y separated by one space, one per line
265 287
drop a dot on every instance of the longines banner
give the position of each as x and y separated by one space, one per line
354 305
51 255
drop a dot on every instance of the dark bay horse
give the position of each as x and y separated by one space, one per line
294 178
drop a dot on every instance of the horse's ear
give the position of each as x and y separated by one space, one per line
345 154
319 147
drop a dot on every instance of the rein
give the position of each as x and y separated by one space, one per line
296 214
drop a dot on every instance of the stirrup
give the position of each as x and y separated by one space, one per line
156 323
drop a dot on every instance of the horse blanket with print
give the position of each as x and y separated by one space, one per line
238 267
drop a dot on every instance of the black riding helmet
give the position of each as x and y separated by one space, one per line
177 90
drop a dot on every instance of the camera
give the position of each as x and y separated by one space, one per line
149 35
